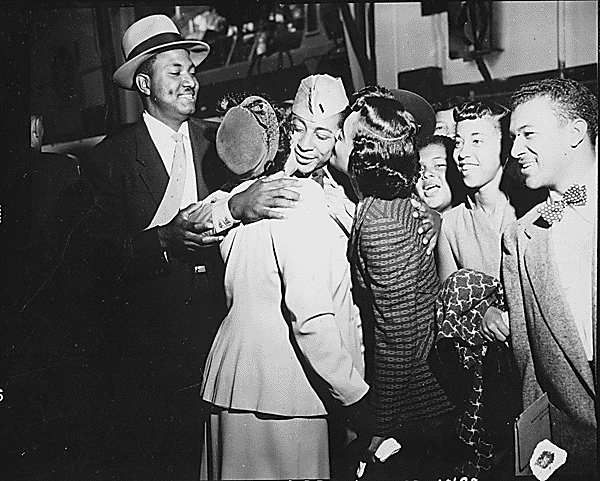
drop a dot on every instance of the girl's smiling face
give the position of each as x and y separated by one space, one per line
432 186
477 151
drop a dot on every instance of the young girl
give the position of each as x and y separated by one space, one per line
440 185
471 315
471 232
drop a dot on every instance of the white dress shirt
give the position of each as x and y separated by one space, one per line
161 134
573 245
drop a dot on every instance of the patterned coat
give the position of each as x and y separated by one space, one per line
395 286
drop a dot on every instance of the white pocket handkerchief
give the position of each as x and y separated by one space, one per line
546 458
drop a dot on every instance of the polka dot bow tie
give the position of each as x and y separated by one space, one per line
554 211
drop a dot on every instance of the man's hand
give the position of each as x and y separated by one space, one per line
431 221
182 237
200 215
260 199
493 326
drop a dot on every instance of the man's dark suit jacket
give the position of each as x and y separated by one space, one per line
162 312
52 173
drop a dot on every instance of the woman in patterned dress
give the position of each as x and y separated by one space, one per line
395 281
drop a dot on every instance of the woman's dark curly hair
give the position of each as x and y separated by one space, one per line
358 98
283 150
384 160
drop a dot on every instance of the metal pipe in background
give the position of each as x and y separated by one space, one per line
560 36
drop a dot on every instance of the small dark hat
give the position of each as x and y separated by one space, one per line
420 109
248 135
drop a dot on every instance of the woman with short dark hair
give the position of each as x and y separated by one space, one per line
471 311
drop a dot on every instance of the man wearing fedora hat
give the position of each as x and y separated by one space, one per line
164 275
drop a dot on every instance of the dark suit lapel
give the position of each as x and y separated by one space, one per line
543 275
196 136
151 168
149 164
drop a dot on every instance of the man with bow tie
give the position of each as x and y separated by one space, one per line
549 264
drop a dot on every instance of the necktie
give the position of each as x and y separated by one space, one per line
554 211
171 201
176 184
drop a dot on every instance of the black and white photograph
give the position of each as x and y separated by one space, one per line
346 241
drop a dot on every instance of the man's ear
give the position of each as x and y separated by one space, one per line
578 132
142 81
338 135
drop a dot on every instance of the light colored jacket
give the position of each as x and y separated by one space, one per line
546 344
283 325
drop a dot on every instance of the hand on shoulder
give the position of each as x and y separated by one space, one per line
265 198
431 223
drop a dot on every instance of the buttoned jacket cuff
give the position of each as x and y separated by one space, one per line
221 215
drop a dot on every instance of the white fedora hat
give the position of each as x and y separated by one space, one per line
149 36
